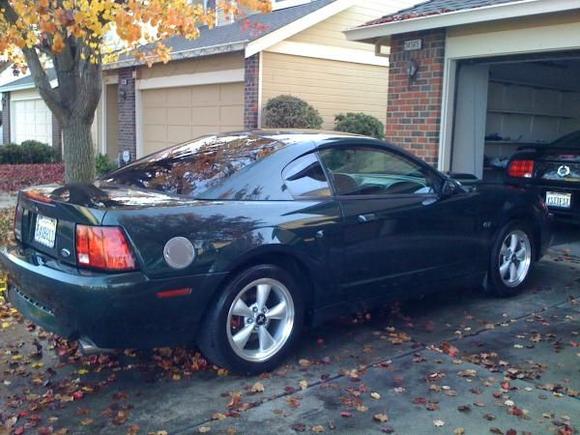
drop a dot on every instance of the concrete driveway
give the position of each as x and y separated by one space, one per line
454 363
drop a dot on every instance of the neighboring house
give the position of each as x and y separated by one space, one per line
221 81
25 116
472 80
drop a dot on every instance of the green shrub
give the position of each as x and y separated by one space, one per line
38 152
360 123
104 164
11 154
29 151
286 111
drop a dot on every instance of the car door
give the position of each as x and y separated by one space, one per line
399 232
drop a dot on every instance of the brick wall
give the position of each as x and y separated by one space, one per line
251 91
414 106
126 107
6 117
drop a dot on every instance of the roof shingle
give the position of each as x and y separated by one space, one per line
227 38
436 7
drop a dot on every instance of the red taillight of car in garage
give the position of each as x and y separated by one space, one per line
521 169
104 248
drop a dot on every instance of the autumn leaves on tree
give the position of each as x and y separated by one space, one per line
77 37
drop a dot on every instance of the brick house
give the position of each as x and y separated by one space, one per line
220 81
470 81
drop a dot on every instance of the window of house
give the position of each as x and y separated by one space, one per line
371 171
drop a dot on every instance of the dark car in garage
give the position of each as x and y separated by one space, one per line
553 171
236 241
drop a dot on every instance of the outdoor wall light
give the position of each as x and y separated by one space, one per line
412 69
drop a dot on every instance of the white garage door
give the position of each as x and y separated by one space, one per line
31 120
175 115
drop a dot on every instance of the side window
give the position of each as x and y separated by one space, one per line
304 178
371 171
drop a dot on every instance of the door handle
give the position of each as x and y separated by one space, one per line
364 218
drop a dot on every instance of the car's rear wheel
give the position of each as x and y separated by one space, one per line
255 321
512 260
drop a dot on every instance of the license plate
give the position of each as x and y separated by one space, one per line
559 200
45 231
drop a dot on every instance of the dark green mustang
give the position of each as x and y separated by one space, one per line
236 241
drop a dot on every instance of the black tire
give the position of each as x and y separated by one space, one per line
496 285
213 338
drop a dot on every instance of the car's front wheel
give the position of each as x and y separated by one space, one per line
512 260
255 321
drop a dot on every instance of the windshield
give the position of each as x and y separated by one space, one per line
197 169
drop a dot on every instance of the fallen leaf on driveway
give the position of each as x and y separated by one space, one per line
318 428
464 408
375 395
204 429
381 418
293 402
303 384
438 423
257 388
449 349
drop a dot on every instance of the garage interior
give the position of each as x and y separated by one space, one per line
506 103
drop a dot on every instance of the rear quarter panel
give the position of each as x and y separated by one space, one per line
229 233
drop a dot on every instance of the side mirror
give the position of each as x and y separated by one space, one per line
448 188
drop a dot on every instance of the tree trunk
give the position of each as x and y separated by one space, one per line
78 151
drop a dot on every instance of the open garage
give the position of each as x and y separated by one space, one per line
507 103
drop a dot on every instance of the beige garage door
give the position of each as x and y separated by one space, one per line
175 115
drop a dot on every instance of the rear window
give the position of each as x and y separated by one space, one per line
570 140
212 167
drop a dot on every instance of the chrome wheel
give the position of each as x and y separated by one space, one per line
515 258
260 320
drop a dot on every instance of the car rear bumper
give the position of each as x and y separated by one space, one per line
570 215
110 310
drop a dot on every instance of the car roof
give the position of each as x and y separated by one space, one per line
303 138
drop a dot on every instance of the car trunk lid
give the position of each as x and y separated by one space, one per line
46 221
560 166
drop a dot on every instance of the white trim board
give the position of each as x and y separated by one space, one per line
501 11
328 52
14 88
297 26
205 78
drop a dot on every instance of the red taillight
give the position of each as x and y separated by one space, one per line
521 169
103 248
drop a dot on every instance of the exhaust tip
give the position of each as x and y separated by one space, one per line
88 347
